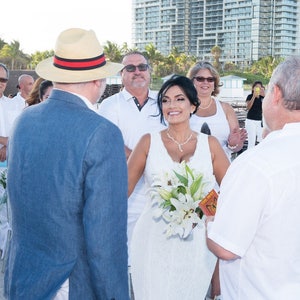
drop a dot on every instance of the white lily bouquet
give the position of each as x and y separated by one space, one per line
3 196
176 197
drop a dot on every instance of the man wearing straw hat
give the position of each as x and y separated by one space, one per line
67 184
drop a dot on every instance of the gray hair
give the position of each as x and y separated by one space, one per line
21 77
286 76
205 65
136 52
5 68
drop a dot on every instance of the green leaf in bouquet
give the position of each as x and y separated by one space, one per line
168 204
166 195
189 171
182 179
196 185
181 190
199 212
174 193
3 179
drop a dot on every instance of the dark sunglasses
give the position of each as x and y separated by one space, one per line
202 79
3 80
132 68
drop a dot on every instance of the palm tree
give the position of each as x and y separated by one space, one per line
185 62
153 55
2 43
174 59
113 51
266 65
125 49
216 53
38 56
15 55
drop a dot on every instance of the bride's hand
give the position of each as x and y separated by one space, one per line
209 219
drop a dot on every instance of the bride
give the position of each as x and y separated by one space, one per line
172 261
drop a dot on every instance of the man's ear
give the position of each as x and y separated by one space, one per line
277 98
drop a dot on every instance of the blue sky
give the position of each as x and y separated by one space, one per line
36 24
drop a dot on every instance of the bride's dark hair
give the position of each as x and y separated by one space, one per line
185 84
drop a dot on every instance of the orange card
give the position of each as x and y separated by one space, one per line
209 203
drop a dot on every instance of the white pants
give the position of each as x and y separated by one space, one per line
254 131
63 292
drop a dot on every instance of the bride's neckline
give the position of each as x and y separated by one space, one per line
180 161
179 145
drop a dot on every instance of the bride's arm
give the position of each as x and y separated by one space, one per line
137 161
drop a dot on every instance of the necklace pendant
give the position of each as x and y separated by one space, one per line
179 144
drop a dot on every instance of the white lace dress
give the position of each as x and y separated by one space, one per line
170 268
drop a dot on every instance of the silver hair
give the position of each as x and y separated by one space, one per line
136 52
286 76
205 65
21 77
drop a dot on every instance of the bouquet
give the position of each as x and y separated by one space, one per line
176 199
3 177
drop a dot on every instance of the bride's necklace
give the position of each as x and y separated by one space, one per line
207 106
177 143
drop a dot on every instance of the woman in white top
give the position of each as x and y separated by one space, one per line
176 265
213 116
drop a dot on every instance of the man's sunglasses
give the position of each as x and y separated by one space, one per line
132 68
202 79
3 80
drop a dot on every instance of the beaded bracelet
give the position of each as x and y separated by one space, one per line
232 148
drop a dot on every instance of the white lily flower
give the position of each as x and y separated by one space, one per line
176 197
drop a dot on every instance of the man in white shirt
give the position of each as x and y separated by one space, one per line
4 225
25 84
255 232
134 110
9 111
4 74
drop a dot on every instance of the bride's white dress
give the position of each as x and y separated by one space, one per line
170 268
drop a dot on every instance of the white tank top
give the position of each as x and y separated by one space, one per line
218 124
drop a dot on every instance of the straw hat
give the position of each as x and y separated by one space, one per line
78 57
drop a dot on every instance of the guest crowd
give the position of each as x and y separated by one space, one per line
107 201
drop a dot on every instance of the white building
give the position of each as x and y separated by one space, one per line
245 30
232 88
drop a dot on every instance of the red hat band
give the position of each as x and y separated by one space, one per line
79 64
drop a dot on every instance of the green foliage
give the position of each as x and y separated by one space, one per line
229 66
2 43
156 83
39 56
3 178
175 62
216 53
250 77
16 57
113 52
265 65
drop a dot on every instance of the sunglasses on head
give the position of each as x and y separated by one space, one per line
202 79
132 68
3 80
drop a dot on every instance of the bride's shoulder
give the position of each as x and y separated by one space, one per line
145 139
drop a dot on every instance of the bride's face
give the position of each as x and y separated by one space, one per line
176 106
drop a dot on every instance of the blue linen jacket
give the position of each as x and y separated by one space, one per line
67 186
